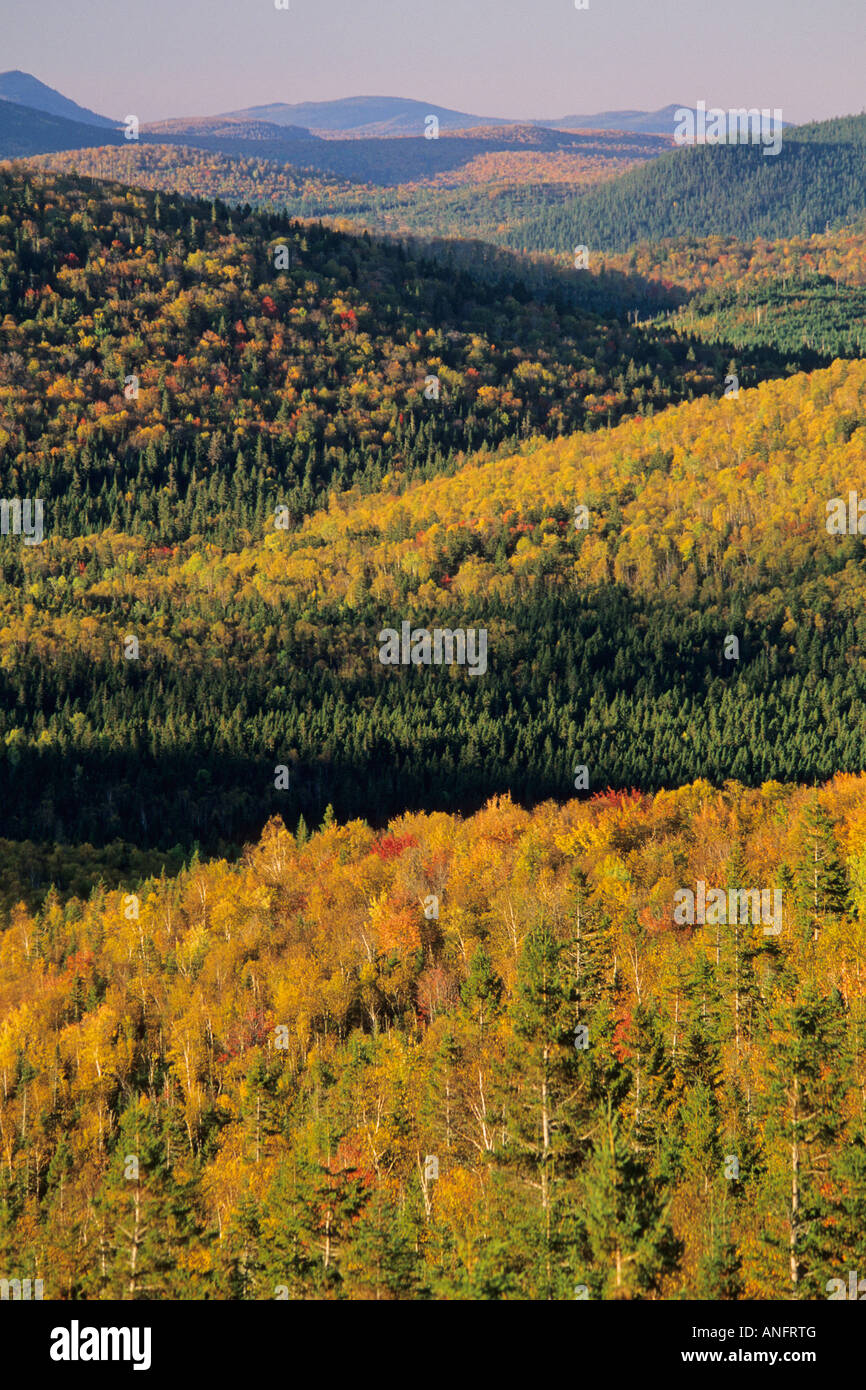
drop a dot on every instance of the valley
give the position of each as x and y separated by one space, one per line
432 695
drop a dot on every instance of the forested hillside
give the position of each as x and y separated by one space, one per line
479 195
26 130
778 305
458 202
456 1059
387 165
608 644
153 349
804 296
162 375
818 177
529 190
698 263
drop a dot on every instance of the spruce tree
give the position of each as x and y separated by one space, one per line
801 1115
822 881
291 1262
482 990
381 1259
148 1214
542 1096
630 1244
846 1225
719 1272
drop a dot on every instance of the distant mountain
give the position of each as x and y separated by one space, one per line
26 90
24 131
228 133
661 122
381 160
375 117
378 116
365 116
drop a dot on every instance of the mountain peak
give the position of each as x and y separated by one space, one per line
24 89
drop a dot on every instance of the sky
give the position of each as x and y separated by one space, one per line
514 58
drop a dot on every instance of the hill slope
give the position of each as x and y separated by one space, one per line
536 190
177 517
387 162
819 176
477 184
403 116
25 130
607 647
303 377
661 122
282 1042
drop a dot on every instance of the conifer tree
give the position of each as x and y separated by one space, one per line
700 1140
147 1214
381 1259
719 1272
651 1079
630 1244
588 947
846 1223
699 1053
291 1259
482 990
542 1092
822 880
239 1253
801 1110
743 944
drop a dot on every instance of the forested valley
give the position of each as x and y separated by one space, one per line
540 196
322 977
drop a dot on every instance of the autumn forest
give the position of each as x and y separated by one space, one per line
324 977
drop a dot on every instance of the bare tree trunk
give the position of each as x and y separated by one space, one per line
737 991
327 1239
795 1185
545 1157
136 1241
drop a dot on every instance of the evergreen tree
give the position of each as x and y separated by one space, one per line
542 1093
630 1244
239 1259
801 1110
719 1272
846 1222
481 992
292 1263
147 1214
381 1259
822 880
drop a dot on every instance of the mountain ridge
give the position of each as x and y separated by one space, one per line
405 116
23 89
358 115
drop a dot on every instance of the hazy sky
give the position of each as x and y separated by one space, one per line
520 58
